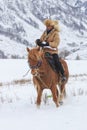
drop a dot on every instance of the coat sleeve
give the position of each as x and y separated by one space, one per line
56 41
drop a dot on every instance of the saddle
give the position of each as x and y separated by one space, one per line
50 60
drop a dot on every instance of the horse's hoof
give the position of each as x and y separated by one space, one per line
61 102
38 106
57 105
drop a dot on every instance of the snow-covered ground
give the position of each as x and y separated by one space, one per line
18 110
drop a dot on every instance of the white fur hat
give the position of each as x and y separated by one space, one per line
53 23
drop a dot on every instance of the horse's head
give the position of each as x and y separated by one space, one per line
34 59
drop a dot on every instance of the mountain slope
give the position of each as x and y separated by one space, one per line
21 23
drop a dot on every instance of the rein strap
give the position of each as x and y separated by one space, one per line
37 65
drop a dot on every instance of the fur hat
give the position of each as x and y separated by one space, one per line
53 23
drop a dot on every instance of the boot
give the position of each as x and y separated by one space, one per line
63 78
59 67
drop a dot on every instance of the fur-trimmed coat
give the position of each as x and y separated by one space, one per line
53 39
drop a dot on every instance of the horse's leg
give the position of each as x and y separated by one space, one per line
55 95
39 94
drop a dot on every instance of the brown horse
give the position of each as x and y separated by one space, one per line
44 77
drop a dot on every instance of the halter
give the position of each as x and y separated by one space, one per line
38 74
37 65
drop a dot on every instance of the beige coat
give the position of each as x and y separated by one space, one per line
53 39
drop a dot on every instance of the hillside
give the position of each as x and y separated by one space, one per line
21 23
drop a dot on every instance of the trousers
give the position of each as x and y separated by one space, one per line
58 65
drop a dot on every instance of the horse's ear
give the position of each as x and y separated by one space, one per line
27 49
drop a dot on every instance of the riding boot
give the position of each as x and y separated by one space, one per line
59 67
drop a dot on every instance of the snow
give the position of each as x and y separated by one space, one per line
18 17
12 69
11 48
17 101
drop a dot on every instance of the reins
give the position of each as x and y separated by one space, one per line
26 73
41 80
37 65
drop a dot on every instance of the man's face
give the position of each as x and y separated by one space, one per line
49 27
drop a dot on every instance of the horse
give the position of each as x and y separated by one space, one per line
44 77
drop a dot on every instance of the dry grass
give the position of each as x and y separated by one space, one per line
15 82
1 84
26 81
78 75
22 81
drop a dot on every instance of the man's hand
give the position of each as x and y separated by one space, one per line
38 41
44 44
41 44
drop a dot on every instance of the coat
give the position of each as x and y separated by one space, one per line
53 39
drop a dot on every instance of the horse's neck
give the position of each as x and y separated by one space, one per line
45 66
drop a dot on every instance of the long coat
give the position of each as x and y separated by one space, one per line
53 39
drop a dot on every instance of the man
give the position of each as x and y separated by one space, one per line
49 41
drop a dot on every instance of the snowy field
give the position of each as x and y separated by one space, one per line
18 110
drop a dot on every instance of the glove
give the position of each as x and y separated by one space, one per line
44 44
38 41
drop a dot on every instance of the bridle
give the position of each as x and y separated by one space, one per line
38 64
36 67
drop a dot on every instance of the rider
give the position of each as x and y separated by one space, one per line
49 41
